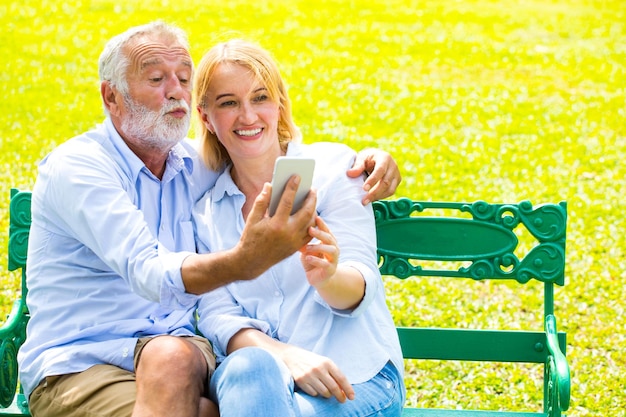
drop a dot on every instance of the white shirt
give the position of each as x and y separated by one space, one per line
106 245
281 302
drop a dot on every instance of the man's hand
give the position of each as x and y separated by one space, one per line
264 242
268 240
383 174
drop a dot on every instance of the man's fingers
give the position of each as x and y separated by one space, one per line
358 167
261 203
383 175
379 189
285 205
306 216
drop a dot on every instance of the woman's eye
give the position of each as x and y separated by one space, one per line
260 98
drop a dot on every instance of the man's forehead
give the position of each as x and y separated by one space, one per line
146 52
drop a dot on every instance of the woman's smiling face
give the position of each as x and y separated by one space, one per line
241 113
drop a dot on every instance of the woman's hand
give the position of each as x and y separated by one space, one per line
313 373
317 375
320 259
342 287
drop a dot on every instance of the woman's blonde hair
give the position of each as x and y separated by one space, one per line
262 65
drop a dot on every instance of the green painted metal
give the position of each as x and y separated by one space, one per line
486 240
479 241
13 331
444 239
19 228
18 408
476 345
480 236
433 412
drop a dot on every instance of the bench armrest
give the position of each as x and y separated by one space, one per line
557 370
12 335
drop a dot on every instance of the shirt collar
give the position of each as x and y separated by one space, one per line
179 158
225 186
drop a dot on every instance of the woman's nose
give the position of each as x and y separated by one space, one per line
247 114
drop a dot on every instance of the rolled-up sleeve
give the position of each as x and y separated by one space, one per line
173 292
372 286
220 317
351 223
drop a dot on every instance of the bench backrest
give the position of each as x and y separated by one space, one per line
479 241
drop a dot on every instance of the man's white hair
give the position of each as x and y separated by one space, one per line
113 63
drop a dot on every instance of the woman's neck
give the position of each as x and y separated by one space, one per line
250 176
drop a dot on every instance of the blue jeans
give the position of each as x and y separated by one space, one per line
251 381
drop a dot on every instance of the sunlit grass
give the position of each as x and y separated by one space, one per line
494 100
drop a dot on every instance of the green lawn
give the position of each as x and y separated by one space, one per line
494 100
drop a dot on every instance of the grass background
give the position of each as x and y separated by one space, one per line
482 99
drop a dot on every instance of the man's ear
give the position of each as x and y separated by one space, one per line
110 98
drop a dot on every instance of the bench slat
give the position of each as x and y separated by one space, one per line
432 412
475 345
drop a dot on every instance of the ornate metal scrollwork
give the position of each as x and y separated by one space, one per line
396 209
8 372
18 229
404 237
398 267
546 222
545 262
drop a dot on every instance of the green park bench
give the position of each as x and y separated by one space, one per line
461 241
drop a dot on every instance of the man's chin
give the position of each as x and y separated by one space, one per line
166 144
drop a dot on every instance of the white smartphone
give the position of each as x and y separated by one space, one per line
284 168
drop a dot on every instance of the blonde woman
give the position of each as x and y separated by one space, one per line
312 336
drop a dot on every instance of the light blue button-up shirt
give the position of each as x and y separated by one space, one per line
281 302
106 245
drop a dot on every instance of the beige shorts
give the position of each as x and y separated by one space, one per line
102 390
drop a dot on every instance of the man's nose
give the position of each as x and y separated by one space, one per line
175 89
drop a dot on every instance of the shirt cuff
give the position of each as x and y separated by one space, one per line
372 282
231 326
173 294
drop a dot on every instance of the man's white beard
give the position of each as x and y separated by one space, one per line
155 128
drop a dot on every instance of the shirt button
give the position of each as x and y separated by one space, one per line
125 352
276 293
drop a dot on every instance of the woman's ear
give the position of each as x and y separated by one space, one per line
205 120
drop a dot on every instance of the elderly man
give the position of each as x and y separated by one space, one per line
113 274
